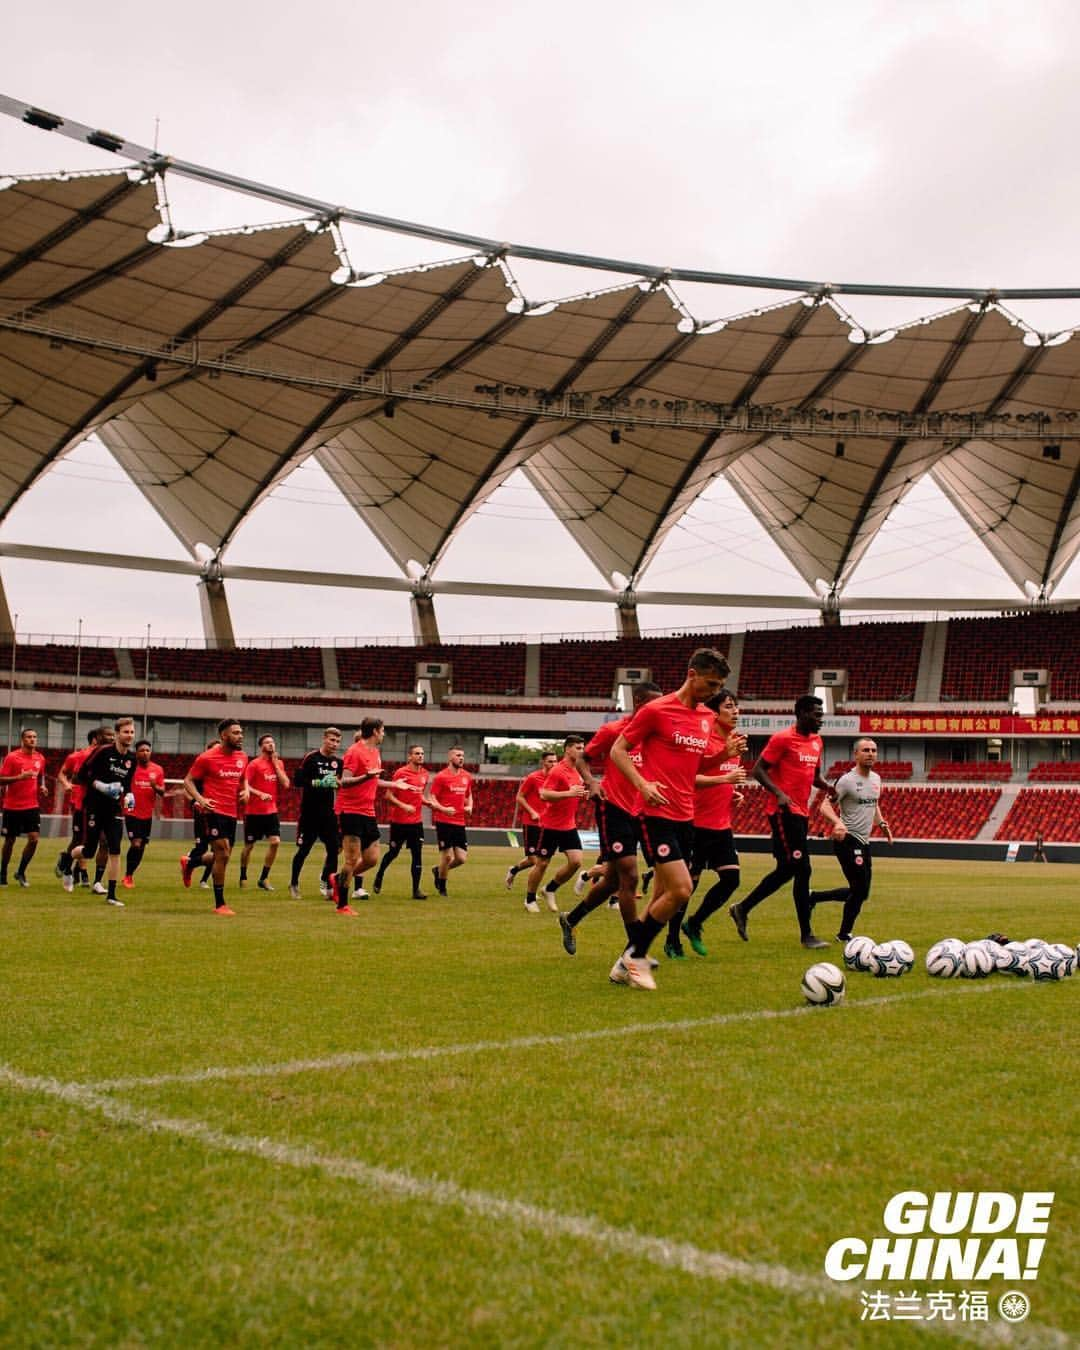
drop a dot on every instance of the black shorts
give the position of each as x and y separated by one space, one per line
356 826
21 822
78 821
665 841
263 825
138 827
558 841
310 829
216 826
448 836
101 826
855 862
714 850
789 838
620 832
532 838
411 836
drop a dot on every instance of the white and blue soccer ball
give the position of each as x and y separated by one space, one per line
997 952
1045 964
886 962
1067 955
857 953
824 984
904 952
1033 944
942 961
1016 960
976 962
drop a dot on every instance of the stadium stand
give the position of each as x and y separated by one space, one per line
889 770
290 667
1054 811
585 668
981 655
1055 771
498 668
51 658
882 660
971 771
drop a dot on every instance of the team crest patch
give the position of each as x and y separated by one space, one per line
705 725
663 850
797 854
616 847
858 860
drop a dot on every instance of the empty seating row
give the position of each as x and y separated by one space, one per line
1053 812
586 668
882 660
50 658
1055 771
498 668
981 654
971 771
889 770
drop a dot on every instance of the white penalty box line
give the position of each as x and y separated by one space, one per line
359 1058
549 1224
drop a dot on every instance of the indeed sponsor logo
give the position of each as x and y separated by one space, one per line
693 742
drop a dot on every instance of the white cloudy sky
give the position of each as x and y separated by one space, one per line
919 142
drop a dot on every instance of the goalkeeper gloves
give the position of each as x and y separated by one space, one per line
112 790
129 802
329 781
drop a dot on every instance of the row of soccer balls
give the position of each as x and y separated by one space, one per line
825 983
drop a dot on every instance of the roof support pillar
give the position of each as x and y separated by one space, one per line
7 628
425 625
214 606
626 615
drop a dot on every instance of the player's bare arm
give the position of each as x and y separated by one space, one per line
761 773
652 794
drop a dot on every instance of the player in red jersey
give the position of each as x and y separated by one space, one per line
265 776
529 803
67 782
720 773
407 819
673 735
217 785
450 797
788 769
22 775
561 793
147 787
618 806
361 778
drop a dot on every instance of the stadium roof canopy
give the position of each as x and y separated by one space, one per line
212 364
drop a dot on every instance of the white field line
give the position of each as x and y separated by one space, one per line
549 1224
354 1058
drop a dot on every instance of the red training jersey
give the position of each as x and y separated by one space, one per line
617 787
359 759
262 774
69 769
673 738
144 780
22 796
561 814
219 775
413 813
712 806
791 761
530 790
451 789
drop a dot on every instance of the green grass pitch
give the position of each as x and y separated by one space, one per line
443 1131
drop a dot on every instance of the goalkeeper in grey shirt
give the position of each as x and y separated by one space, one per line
853 815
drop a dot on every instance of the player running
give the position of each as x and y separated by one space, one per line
450 797
318 778
673 735
106 775
789 767
22 775
361 778
858 793
147 789
67 781
216 783
561 792
406 819
265 776
529 803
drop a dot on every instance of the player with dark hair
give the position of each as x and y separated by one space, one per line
405 797
216 783
720 773
450 797
529 803
106 774
265 776
618 806
673 735
858 793
22 775
318 777
147 788
788 768
361 778
561 792
67 782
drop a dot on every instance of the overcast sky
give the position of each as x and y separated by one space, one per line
915 143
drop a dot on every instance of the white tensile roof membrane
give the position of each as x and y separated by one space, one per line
210 366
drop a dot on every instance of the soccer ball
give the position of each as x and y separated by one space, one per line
997 953
976 962
1045 964
1016 959
1067 955
1032 944
857 953
824 984
942 961
904 952
886 961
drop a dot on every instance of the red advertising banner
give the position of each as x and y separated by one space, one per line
968 724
